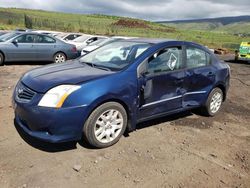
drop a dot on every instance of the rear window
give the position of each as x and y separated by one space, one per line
45 39
197 57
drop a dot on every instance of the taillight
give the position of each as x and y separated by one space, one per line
73 49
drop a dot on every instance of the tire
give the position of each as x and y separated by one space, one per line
59 57
1 59
214 102
99 131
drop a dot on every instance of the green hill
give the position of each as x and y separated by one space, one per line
12 18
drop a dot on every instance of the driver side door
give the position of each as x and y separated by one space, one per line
161 85
23 48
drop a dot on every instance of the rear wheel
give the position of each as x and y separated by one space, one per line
214 102
1 59
105 125
59 57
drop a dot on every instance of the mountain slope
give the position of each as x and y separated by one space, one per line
222 20
238 24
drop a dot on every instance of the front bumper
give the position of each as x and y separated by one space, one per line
50 124
243 58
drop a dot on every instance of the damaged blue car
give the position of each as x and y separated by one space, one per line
112 89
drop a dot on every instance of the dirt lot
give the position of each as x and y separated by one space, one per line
186 150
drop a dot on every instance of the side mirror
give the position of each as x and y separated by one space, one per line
15 41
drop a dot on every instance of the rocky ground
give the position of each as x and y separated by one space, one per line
185 150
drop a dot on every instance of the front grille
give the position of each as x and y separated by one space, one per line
23 93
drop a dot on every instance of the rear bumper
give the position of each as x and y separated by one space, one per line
73 55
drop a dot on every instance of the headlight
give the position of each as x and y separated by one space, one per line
56 96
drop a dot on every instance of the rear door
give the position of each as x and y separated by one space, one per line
199 76
45 47
24 49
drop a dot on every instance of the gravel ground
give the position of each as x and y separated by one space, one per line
185 150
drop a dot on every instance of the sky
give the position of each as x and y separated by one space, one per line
153 10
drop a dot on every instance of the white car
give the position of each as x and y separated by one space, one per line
68 36
91 47
84 40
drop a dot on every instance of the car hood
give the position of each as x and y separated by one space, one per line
71 72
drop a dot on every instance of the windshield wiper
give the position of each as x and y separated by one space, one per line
97 66
103 68
89 64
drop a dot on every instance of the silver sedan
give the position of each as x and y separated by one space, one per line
24 46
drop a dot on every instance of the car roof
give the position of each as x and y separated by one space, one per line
149 40
34 33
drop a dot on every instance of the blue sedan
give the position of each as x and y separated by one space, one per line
111 89
30 46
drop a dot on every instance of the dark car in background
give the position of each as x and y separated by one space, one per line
118 85
30 46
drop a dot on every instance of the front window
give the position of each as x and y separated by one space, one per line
115 56
245 48
27 38
168 59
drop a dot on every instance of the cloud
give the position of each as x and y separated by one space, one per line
144 9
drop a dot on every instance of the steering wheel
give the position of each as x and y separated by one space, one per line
116 58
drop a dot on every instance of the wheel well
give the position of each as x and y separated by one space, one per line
223 89
62 53
3 55
124 106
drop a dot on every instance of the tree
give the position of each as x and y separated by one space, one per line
10 21
27 21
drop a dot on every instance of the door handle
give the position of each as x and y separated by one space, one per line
210 74
179 80
189 73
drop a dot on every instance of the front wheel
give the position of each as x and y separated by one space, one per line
59 57
214 102
105 125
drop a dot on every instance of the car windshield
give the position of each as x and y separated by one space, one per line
61 35
81 38
8 36
115 56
